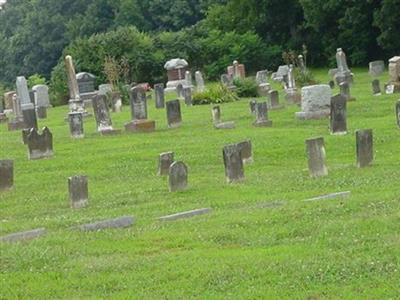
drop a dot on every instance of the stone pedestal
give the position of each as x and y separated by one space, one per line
140 126
316 157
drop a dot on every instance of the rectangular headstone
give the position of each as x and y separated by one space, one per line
41 112
121 222
316 157
216 114
262 115
78 191
246 151
233 163
138 103
174 117
177 176
273 96
186 214
23 236
376 88
75 120
338 120
376 68
6 174
30 119
23 93
159 95
187 94
364 147
40 145
253 105
102 114
164 162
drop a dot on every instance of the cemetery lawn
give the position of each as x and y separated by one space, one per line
260 241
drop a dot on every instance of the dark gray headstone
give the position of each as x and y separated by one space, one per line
364 147
138 103
40 145
101 113
78 191
233 163
6 174
185 214
30 118
262 115
164 162
253 104
76 124
86 82
376 68
25 133
23 236
246 152
345 91
32 96
332 84
178 176
187 94
316 157
174 117
338 120
376 88
159 95
41 112
398 112
121 222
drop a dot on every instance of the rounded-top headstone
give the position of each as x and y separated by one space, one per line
178 176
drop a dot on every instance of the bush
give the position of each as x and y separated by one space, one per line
304 78
35 79
246 87
214 95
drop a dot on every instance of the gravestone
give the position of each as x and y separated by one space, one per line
227 81
185 214
41 95
332 84
75 102
216 114
376 88
302 65
40 145
316 157
176 70
8 100
6 174
25 133
178 176
179 91
159 95
345 91
394 74
102 115
32 97
18 121
376 68
75 120
343 74
188 79
338 119
41 112
165 160
120 222
86 82
315 102
364 147
262 77
291 91
246 151
139 122
282 71
23 93
253 105
104 89
236 70
200 87
187 94
30 119
116 101
78 191
233 163
263 86
174 117
23 235
273 96
262 116
398 112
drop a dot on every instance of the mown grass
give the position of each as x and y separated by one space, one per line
260 241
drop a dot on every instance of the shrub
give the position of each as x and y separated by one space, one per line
246 87
35 79
214 94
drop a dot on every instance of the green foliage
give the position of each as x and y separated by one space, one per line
246 87
35 79
214 94
305 77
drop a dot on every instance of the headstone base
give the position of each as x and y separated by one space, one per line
16 125
38 154
225 125
314 115
267 123
79 204
140 126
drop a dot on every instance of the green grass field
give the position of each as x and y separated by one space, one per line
260 242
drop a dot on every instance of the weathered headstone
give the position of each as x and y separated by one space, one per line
345 91
23 93
75 120
116 101
23 235
291 91
376 68
41 112
332 84
185 214
262 83
30 119
282 70
41 95
188 79
216 114
338 119
233 163
8 100
78 191
18 121
6 174
364 147
75 101
200 87
139 122
159 95
176 70
315 102
394 74
376 88
262 115
273 96
40 145
165 160
102 115
174 117
178 176
253 106
316 157
343 74
227 81
187 94
236 70
225 125
302 65
179 91
86 85
398 112
104 89
246 151
120 222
